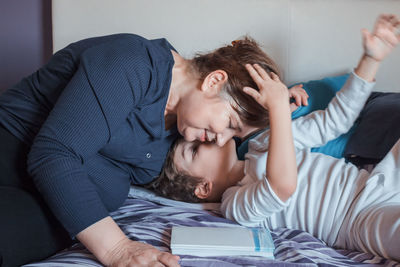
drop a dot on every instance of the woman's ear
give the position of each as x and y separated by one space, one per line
213 82
203 190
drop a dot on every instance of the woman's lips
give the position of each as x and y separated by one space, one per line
203 136
208 137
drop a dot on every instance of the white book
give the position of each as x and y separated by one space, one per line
222 241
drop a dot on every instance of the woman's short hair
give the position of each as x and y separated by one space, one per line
173 183
232 59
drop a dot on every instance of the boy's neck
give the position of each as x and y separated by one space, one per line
237 172
234 176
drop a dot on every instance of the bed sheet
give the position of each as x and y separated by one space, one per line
148 218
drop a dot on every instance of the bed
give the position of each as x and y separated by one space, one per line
149 218
309 39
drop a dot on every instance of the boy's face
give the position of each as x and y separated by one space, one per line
207 161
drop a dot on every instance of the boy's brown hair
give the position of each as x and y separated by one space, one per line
175 184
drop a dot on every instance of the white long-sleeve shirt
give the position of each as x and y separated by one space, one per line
326 186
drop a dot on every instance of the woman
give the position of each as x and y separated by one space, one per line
100 115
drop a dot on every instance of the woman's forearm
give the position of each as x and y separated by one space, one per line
101 238
281 161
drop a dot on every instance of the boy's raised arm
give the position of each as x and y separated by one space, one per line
377 45
281 167
247 204
319 127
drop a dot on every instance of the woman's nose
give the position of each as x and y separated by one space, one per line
222 138
189 136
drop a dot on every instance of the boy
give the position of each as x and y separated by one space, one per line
283 184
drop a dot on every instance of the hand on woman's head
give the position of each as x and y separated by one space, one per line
272 92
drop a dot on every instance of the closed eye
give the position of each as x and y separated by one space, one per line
194 148
230 124
236 128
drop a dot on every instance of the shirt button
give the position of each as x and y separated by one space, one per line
148 155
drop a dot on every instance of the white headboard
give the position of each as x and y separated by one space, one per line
309 39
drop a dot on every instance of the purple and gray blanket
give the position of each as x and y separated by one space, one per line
149 219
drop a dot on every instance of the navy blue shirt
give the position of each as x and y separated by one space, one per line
94 118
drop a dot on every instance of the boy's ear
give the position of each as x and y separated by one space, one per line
213 82
203 190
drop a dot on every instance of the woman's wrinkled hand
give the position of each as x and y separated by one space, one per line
272 92
132 253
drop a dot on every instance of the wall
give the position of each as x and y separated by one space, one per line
25 34
309 39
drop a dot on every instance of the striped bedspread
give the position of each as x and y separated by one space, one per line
149 219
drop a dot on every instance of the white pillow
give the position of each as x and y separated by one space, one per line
142 193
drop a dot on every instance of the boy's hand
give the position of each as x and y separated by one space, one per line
383 39
299 95
272 92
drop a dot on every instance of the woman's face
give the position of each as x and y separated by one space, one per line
209 119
